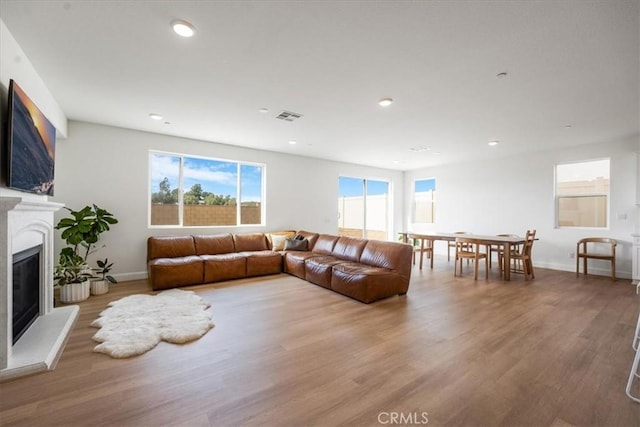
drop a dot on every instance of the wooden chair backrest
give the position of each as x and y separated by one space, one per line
529 238
612 242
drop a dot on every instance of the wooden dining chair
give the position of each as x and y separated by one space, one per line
451 245
469 249
520 257
421 246
587 248
498 249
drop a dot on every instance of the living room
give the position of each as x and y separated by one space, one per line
574 93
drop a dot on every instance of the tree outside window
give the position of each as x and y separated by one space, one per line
194 191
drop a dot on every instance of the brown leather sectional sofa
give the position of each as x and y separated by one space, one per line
367 270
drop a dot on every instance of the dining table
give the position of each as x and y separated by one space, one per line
506 242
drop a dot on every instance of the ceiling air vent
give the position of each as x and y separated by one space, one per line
288 116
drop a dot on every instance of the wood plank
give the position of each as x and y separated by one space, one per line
552 351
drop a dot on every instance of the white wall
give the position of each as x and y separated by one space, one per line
15 65
108 166
511 195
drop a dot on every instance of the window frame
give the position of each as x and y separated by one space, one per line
433 201
181 190
557 197
388 207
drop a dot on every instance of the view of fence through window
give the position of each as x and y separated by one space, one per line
582 194
195 191
363 207
424 201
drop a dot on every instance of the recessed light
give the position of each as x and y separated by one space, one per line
167 123
292 142
155 116
395 162
183 28
501 75
493 143
568 126
385 102
264 110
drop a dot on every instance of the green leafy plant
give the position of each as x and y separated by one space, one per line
104 267
82 230
71 268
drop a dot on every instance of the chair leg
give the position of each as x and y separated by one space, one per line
613 269
475 268
486 268
636 337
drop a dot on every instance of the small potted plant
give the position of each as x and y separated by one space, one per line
71 277
101 285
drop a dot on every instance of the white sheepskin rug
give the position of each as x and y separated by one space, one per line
135 324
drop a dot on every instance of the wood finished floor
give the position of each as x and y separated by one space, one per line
554 351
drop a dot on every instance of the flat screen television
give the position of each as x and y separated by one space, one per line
31 140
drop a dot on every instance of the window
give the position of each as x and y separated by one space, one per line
424 201
195 191
363 207
582 194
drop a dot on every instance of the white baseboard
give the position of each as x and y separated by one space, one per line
592 271
124 277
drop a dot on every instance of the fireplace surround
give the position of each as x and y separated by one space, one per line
28 223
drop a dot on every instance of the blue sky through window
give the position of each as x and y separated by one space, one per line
350 187
423 185
215 176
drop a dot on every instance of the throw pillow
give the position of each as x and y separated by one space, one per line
296 245
277 242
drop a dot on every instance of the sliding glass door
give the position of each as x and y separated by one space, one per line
363 207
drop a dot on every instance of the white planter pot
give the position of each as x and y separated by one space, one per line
75 292
99 287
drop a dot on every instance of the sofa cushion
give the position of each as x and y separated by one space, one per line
170 247
250 242
318 269
348 248
296 245
325 243
311 237
294 262
367 283
275 240
167 273
264 262
214 244
224 267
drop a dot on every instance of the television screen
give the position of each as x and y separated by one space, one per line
32 140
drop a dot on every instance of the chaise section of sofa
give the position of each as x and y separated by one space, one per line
383 270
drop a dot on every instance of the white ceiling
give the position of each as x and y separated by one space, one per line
568 63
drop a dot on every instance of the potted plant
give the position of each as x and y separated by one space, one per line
83 229
71 277
101 285
82 232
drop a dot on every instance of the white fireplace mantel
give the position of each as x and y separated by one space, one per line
25 223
